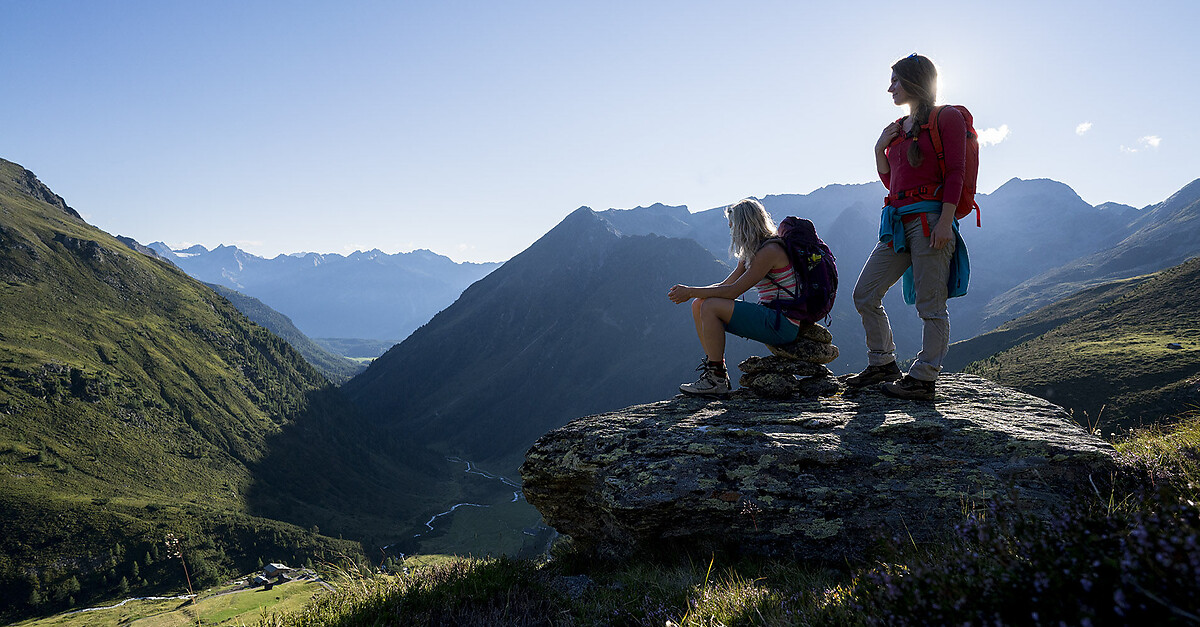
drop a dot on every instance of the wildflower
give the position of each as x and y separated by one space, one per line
1120 603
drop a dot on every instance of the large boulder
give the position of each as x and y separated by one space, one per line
820 478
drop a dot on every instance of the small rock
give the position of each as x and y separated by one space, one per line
818 386
816 333
573 587
783 365
770 384
805 349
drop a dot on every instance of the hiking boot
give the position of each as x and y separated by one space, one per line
874 374
713 382
909 388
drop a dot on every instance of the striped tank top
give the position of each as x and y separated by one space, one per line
768 291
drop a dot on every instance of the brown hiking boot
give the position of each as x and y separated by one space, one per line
909 388
874 374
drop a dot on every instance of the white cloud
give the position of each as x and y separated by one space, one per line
1149 141
993 136
1083 128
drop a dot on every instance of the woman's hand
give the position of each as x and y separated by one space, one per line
941 235
680 294
890 133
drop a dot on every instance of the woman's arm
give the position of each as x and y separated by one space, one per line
771 256
738 271
953 129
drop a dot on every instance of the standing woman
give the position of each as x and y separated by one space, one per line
762 263
918 235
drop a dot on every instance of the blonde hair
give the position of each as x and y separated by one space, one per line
750 226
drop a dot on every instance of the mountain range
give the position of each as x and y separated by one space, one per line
1033 230
1030 227
595 285
365 295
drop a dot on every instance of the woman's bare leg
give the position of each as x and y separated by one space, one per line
711 315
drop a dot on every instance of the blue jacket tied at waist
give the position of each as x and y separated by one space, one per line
891 229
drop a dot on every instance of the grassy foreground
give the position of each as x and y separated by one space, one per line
1126 553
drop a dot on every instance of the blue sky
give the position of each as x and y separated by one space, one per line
471 128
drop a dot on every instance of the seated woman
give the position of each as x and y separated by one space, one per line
761 259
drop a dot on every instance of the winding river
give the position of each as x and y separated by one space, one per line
472 470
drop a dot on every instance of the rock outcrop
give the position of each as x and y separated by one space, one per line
817 478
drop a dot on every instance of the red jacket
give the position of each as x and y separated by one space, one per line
904 177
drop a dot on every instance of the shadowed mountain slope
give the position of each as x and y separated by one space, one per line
135 402
577 323
1119 354
1159 236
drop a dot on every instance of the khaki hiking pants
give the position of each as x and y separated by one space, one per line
931 270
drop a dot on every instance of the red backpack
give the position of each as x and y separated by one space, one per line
966 204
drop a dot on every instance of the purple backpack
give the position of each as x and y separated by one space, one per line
816 272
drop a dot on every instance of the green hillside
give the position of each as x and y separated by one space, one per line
336 368
1107 353
135 402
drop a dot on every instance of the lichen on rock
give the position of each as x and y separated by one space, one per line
816 478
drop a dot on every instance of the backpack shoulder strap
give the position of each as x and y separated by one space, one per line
899 136
772 240
788 253
935 133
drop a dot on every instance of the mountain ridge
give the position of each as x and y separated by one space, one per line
556 309
365 294
1169 230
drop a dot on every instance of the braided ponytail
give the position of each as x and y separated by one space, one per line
918 76
920 116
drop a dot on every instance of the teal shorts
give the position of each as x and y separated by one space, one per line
761 324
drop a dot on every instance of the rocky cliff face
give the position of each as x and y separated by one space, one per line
27 183
818 478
